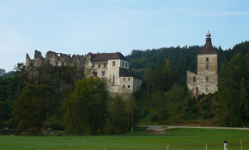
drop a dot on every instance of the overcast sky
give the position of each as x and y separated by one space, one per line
82 26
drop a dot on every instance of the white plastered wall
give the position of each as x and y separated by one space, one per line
123 64
125 82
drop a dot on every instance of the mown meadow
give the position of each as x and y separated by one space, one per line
187 139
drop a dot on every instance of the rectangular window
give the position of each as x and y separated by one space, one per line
129 79
103 73
123 79
123 86
206 88
122 64
104 65
207 66
128 86
93 64
194 79
113 63
126 65
62 64
207 79
99 65
207 59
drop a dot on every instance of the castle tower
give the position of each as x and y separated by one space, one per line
207 77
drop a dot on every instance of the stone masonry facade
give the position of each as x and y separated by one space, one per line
110 67
206 79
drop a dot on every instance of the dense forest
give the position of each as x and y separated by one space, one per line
165 98
183 58
61 98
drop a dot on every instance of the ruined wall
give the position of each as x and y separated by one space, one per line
137 84
191 83
59 59
38 59
55 59
111 72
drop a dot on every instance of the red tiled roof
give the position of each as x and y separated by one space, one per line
107 56
208 49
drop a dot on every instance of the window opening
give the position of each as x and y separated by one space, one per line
207 79
123 79
194 79
113 79
126 65
99 65
93 64
207 66
103 73
207 59
128 86
123 86
128 79
113 63
206 88
122 64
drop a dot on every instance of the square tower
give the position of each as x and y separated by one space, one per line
206 79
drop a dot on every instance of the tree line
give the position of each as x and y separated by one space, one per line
166 99
183 58
61 98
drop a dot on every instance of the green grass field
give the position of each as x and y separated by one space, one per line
187 139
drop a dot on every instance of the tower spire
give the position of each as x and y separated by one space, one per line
208 39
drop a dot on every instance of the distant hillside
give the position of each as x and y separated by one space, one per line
4 74
183 58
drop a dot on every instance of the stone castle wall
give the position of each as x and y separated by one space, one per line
55 59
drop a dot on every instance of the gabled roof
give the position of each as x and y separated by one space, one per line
208 49
107 56
127 73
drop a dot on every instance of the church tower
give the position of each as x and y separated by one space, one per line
206 79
